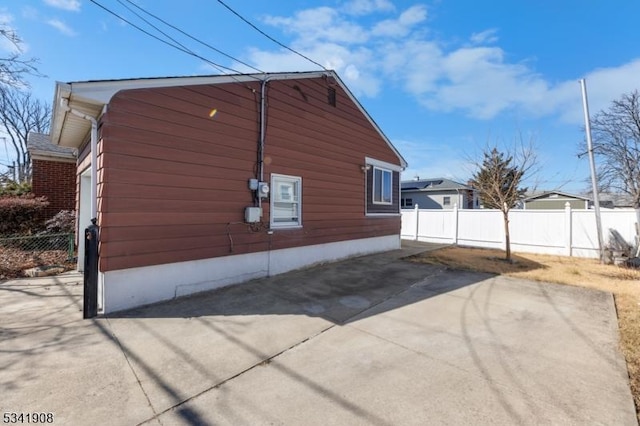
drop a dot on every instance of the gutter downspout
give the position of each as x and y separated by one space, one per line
64 103
263 87
263 115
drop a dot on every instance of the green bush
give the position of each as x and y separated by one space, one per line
21 214
13 188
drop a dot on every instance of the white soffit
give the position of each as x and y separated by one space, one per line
90 97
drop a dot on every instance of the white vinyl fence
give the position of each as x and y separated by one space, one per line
563 232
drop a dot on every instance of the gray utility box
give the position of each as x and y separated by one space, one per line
252 214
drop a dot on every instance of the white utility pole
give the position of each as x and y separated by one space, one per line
592 164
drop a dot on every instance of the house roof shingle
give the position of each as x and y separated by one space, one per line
40 144
609 199
434 184
532 197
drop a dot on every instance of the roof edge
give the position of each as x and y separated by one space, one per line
565 194
49 156
100 92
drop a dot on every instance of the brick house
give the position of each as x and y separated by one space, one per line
53 173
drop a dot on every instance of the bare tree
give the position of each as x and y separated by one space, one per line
20 114
14 66
616 146
498 179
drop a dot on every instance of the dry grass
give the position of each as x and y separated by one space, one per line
624 283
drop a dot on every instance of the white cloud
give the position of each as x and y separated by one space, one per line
72 5
484 37
349 64
320 24
328 36
477 80
604 85
62 27
413 15
474 78
415 64
401 26
365 7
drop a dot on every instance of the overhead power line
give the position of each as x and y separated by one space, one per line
154 27
183 33
178 47
269 37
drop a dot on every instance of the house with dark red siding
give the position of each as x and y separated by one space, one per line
202 182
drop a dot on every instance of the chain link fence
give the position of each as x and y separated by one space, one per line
21 252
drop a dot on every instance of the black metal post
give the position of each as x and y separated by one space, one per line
91 235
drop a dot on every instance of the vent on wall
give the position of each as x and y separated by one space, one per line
331 96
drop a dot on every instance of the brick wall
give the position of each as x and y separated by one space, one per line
56 181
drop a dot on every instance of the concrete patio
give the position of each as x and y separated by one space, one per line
371 340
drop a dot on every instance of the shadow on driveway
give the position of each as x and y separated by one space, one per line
371 340
335 292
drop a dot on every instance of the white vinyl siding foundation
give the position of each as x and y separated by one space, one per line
129 288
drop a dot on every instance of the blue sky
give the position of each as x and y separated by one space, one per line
441 78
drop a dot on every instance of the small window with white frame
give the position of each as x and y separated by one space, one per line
286 201
446 201
382 186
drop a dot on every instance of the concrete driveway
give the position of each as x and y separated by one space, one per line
372 340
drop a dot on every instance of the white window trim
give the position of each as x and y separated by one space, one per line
373 186
273 199
370 163
382 164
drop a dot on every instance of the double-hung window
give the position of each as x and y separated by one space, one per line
286 201
382 186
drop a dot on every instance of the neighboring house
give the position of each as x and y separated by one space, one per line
438 193
53 173
610 200
554 200
207 181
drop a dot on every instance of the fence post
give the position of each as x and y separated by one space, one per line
568 231
416 209
455 223
91 255
70 244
